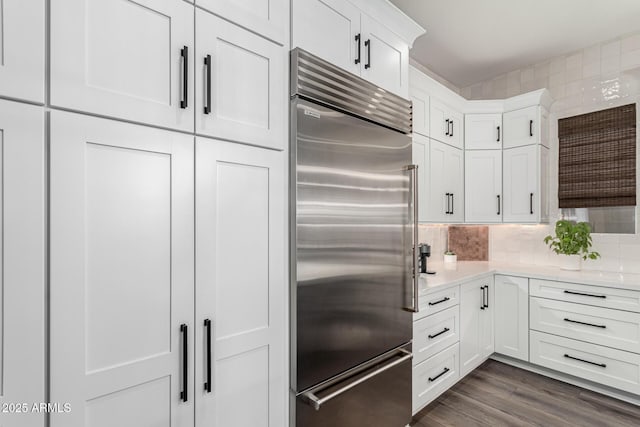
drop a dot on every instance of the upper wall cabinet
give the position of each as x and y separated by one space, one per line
240 84
446 124
363 44
445 178
420 100
483 131
526 126
124 59
22 41
266 17
526 181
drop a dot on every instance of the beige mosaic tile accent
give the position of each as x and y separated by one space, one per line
470 243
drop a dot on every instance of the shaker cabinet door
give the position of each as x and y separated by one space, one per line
240 80
22 42
520 182
240 286
122 278
22 250
124 59
483 132
483 186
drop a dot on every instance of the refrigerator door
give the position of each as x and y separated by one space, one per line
352 242
378 395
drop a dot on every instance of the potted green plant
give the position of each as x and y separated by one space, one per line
573 242
450 256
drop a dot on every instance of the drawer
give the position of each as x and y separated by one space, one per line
601 296
614 368
434 333
604 326
437 301
434 376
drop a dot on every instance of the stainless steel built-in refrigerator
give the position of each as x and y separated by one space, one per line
353 236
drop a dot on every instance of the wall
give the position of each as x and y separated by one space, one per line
597 77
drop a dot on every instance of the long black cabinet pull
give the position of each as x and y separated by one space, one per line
452 199
439 375
531 203
357 61
184 54
498 196
207 326
602 365
207 63
445 299
367 44
185 362
486 295
444 331
584 295
530 127
498 134
451 132
482 307
585 323
448 211
447 121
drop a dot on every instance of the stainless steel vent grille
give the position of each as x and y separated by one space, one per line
321 81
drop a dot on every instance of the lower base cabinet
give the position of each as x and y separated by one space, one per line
476 323
434 376
512 316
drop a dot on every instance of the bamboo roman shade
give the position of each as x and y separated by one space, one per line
597 162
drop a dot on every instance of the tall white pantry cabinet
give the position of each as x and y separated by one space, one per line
144 212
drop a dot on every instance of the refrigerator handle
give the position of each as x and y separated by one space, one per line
317 402
415 253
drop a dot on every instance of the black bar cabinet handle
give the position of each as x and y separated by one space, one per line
207 326
585 323
444 331
498 196
448 209
530 127
207 63
439 375
602 365
486 287
498 134
367 43
447 134
445 299
452 199
531 203
482 307
184 53
451 132
357 61
583 294
185 362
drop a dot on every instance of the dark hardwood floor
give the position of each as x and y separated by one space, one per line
496 394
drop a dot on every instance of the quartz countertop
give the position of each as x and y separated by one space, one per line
448 275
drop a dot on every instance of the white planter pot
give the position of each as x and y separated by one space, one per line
570 262
450 258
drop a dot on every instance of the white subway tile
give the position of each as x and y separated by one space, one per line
541 71
574 60
591 54
591 69
630 43
610 49
527 75
630 60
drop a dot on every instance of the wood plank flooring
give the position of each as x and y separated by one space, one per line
496 394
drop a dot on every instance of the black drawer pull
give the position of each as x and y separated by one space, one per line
439 375
530 127
445 330
207 63
602 365
585 323
185 362
207 326
498 196
184 54
482 306
445 299
447 134
367 44
357 61
584 295
498 134
531 203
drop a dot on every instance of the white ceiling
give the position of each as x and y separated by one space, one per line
469 41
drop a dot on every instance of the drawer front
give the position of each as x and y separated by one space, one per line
614 368
621 299
434 376
437 301
604 326
434 333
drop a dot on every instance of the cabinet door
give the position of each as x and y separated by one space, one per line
420 100
438 201
385 60
420 155
22 250
456 132
121 215
22 40
269 18
241 84
521 127
471 308
512 316
339 45
439 120
543 197
454 176
483 131
521 194
487 343
241 285
124 59
483 186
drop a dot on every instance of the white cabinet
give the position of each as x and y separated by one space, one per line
483 131
420 155
420 100
525 184
124 59
121 273
446 124
434 376
22 249
483 186
22 50
476 323
445 200
240 203
240 84
512 316
269 18
526 126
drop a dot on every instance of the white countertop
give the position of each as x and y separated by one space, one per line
464 271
